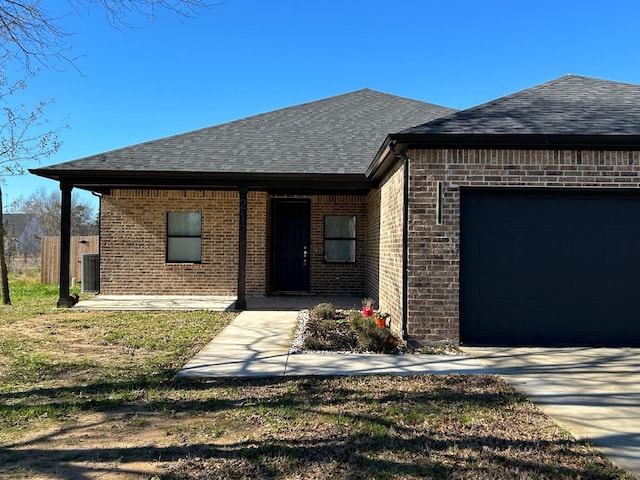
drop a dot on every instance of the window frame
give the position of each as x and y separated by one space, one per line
170 236
351 240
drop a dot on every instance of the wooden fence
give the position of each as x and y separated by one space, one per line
50 260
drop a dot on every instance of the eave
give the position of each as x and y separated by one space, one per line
103 181
402 142
520 141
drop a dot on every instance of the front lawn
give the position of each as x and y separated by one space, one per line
91 395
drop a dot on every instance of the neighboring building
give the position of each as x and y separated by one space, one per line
514 222
23 234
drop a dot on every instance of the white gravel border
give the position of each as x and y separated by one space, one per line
298 338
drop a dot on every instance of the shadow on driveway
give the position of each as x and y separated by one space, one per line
593 392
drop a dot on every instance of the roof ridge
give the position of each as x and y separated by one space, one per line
508 97
570 104
511 96
598 79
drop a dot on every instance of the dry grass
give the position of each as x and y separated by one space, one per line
90 396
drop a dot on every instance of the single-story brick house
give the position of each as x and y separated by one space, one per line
515 222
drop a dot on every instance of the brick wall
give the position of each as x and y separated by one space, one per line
133 243
258 237
434 261
390 259
372 262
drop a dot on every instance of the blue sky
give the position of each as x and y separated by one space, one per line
244 57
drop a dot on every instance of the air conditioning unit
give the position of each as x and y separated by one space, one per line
90 272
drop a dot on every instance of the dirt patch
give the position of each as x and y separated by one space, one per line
370 427
92 446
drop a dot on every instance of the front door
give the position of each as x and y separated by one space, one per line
290 245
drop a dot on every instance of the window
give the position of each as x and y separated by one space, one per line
184 237
340 239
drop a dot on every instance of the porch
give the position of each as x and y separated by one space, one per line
212 302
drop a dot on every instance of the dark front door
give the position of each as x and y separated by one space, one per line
290 245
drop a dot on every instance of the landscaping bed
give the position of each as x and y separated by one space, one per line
325 329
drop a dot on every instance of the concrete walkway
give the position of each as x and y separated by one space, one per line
593 392
256 344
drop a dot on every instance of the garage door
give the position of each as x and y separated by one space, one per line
549 267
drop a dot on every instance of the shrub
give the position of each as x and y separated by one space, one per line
331 335
372 338
329 330
359 322
327 325
316 344
325 311
379 340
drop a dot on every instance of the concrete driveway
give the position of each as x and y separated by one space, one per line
593 392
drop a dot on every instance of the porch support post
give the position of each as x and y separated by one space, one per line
241 302
65 243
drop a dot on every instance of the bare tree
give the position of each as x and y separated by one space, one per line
32 37
4 272
24 136
45 205
30 33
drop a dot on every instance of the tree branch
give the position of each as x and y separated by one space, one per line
28 33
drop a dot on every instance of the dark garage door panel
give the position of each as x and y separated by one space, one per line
549 267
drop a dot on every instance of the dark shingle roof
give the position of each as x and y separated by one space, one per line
569 105
332 136
16 223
